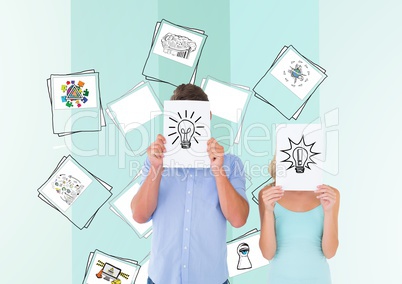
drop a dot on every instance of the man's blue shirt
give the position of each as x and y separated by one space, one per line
189 228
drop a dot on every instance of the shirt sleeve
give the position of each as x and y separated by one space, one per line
237 176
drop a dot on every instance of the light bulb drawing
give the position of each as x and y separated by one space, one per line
244 262
185 129
300 155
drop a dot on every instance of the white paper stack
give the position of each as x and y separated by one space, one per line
75 102
290 82
104 268
121 206
228 106
174 54
75 192
137 114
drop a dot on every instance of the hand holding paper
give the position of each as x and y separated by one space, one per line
155 151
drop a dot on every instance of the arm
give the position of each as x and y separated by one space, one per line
266 202
234 207
330 199
145 201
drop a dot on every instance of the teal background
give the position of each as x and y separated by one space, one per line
357 42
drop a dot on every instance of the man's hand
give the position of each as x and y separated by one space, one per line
155 151
216 155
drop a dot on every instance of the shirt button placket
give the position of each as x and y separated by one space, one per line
187 226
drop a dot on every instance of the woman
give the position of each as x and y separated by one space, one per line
299 232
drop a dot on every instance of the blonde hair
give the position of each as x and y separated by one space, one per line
272 167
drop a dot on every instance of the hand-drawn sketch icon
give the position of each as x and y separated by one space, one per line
176 48
177 45
68 187
299 155
185 130
108 272
244 261
244 254
290 82
297 73
74 93
113 269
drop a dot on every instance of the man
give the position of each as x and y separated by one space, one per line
189 209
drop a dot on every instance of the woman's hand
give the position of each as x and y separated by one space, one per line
270 195
327 196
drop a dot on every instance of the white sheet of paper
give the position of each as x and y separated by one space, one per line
240 260
186 128
298 170
296 74
135 109
226 102
142 277
123 204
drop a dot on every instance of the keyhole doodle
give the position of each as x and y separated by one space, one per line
186 129
244 262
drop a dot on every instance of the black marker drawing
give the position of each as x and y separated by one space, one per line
297 72
185 130
299 155
244 262
177 45
68 187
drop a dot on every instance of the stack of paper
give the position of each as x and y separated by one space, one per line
121 205
104 268
142 277
244 254
75 192
256 191
228 106
174 54
137 115
290 82
75 102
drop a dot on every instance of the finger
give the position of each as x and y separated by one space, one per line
269 194
272 196
161 138
326 196
276 187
